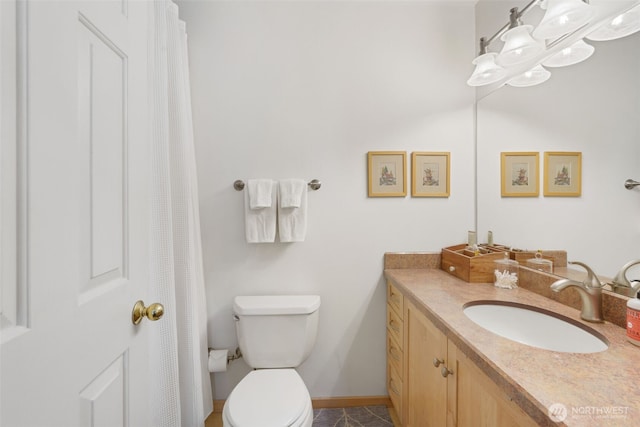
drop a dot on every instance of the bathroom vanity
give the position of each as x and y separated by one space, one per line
445 370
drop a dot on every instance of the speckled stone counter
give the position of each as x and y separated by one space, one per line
597 389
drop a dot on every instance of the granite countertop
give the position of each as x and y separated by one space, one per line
598 389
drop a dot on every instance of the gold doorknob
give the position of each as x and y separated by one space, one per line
153 312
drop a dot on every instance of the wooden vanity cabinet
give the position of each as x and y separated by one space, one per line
436 384
395 345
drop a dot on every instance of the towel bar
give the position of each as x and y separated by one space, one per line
314 184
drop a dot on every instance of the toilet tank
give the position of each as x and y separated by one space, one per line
276 331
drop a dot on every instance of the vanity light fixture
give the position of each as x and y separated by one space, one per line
562 17
577 52
519 46
564 21
621 26
534 76
486 71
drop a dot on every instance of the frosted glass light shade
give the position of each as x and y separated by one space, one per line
621 26
577 52
562 17
486 71
533 77
519 46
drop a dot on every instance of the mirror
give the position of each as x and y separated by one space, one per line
593 108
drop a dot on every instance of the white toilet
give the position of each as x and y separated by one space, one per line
275 334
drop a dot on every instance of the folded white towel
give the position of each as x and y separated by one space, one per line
260 191
292 221
291 192
260 224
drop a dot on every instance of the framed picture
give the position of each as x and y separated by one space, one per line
519 174
430 174
562 173
387 173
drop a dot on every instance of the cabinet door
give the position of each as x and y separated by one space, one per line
479 401
425 387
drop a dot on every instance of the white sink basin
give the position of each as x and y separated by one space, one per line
535 327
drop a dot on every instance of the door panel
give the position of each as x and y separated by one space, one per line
102 86
80 361
103 403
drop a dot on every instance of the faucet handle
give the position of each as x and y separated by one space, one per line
592 280
635 288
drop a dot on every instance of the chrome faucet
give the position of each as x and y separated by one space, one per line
590 291
620 280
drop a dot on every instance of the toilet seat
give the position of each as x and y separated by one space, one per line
269 398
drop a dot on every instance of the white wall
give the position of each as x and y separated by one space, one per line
592 108
305 89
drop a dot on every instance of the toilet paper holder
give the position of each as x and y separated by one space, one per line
231 357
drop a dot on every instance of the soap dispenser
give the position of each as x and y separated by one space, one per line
633 320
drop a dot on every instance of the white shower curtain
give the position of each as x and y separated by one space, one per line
180 388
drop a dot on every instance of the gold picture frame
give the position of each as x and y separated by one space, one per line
519 174
562 174
430 174
387 172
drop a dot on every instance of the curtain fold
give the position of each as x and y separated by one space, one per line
180 391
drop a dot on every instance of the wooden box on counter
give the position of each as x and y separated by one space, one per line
479 267
558 257
471 267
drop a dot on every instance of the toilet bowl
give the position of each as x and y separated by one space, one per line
269 398
275 335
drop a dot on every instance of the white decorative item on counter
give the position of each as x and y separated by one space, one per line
506 273
506 280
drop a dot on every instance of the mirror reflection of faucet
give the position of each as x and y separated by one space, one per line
590 291
621 285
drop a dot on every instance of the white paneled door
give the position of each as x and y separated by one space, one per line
70 354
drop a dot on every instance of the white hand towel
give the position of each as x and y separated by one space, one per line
259 193
292 222
291 192
260 224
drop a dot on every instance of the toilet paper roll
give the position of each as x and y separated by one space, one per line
218 360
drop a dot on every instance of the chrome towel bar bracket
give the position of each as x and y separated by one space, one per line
630 183
314 184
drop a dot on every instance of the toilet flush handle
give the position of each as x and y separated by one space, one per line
236 318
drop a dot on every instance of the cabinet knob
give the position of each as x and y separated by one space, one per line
452 268
437 362
445 372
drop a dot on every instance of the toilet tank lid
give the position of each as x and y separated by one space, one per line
275 304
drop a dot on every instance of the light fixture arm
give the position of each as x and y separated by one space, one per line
515 16
483 46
